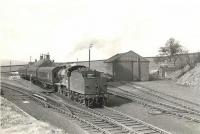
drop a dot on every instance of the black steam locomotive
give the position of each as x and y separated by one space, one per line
79 83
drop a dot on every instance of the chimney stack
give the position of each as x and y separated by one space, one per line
47 56
41 56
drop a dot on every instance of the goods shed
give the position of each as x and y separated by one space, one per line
129 66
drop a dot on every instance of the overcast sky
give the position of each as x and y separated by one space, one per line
65 28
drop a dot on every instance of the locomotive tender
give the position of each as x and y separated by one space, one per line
79 83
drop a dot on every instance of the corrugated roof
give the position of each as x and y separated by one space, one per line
128 56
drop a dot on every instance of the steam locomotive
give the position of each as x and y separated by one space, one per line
79 83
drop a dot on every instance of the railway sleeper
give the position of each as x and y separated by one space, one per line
98 121
153 132
129 123
118 130
89 128
84 125
106 126
101 123
94 131
139 126
132 124
143 129
125 119
124 132
120 119
150 132
113 128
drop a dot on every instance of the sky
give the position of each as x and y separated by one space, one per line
66 28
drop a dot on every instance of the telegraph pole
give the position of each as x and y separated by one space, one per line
10 66
90 46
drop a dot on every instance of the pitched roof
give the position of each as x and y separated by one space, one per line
128 56
44 63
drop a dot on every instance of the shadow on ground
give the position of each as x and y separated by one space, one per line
117 101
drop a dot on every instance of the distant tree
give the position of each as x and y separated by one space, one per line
171 50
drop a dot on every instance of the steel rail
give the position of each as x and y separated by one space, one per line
101 116
131 130
138 100
140 121
118 114
78 112
148 100
176 98
193 111
49 105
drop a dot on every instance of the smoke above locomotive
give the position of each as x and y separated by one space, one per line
77 82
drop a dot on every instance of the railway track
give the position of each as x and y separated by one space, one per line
178 101
94 121
87 126
173 104
158 106
130 124
188 105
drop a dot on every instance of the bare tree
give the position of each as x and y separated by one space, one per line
172 50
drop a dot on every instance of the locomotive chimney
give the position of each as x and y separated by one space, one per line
47 56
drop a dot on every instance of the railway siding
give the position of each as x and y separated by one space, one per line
46 104
164 108
175 100
89 119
